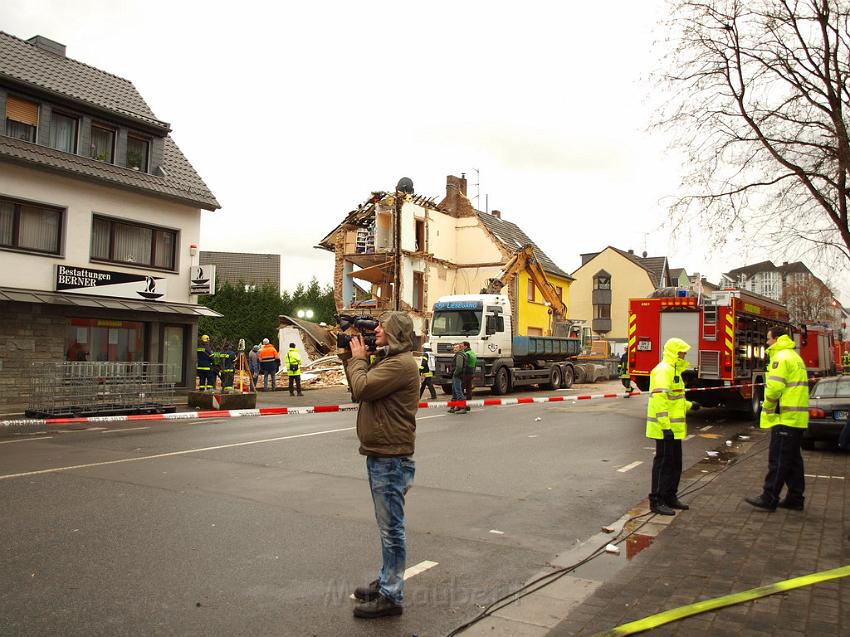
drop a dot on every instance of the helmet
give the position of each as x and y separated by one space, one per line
426 348
255 348
265 341
205 338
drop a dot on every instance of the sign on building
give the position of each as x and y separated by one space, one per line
202 279
76 280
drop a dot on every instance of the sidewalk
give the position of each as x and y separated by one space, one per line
722 545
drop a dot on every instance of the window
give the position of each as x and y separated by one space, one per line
104 340
531 290
602 311
102 143
21 118
602 282
560 292
133 243
28 226
137 153
63 132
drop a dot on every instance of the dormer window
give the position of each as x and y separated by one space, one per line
102 143
137 153
21 118
63 132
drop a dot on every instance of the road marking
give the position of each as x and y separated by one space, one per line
706 428
9 442
112 431
434 416
710 436
629 467
689 437
413 570
497 532
172 453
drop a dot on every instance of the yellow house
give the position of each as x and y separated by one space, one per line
606 281
408 251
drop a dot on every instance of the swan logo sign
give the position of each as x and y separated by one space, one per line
120 285
202 279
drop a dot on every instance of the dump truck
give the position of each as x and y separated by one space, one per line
505 361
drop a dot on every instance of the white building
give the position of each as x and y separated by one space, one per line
98 213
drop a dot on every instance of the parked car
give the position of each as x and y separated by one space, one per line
829 404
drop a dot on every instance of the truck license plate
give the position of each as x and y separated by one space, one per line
840 415
644 346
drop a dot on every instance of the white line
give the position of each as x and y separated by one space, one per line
706 428
434 416
9 442
688 437
629 467
172 453
811 475
112 431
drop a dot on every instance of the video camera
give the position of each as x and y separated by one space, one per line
365 325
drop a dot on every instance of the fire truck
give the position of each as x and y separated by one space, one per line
727 332
816 346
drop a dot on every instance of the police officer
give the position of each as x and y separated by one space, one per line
785 412
292 361
665 423
426 371
204 365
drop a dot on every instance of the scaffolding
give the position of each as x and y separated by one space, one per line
78 389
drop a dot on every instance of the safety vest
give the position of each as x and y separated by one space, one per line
424 368
845 359
667 405
226 359
267 353
786 392
292 359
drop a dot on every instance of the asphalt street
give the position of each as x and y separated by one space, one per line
264 526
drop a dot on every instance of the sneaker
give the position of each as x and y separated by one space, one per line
367 593
760 503
661 509
379 607
794 506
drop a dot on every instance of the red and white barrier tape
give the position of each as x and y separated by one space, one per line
324 409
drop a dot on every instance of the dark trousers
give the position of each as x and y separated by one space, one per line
467 386
295 384
784 465
428 382
666 469
206 379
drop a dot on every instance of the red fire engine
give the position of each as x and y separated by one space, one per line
727 332
816 346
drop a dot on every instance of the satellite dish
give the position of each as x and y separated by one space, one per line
405 184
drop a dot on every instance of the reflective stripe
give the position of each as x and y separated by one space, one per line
651 419
203 369
677 420
662 414
802 383
784 408
778 379
677 397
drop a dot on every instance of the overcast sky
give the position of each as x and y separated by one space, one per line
294 112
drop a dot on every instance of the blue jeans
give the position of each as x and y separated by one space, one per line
389 480
457 388
266 380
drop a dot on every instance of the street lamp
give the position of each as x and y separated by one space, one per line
305 314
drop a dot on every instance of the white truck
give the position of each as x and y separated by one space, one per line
505 361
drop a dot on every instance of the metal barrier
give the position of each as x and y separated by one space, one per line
99 389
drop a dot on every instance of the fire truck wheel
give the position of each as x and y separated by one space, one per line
569 377
554 379
754 408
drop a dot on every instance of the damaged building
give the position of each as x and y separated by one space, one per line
431 250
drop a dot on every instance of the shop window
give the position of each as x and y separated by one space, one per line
173 344
132 243
25 226
104 340
63 132
102 143
137 153
21 118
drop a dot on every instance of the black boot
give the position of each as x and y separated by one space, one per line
379 607
661 509
676 503
760 503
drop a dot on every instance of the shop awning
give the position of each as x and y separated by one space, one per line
81 300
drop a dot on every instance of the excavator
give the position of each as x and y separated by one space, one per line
525 259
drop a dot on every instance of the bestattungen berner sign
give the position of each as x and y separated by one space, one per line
77 280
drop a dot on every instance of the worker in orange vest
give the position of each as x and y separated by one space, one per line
268 364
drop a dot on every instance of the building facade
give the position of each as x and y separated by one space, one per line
98 213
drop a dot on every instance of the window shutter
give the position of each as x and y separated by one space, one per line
22 111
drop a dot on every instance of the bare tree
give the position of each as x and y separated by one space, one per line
759 106
808 301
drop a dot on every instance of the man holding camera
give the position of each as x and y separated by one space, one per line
388 393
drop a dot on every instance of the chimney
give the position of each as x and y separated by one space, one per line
457 183
497 214
631 251
643 254
46 44
784 263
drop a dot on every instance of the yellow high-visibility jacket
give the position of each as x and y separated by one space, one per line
667 405
292 359
786 393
